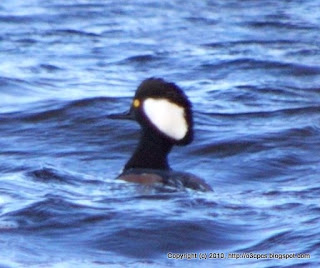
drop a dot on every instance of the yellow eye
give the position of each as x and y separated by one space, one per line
136 103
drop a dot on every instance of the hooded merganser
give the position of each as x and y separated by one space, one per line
165 116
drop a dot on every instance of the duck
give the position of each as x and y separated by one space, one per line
165 116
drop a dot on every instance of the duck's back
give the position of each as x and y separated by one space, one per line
171 178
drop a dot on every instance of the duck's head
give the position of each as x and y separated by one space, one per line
162 109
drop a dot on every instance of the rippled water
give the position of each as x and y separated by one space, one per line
251 69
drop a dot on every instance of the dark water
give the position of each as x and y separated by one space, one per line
251 69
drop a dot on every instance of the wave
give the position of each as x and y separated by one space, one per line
292 69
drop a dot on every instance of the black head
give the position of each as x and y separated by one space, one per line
163 109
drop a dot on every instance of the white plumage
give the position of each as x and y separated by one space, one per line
167 116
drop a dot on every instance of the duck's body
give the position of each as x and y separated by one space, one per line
176 179
165 115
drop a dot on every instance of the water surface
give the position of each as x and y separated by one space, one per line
251 70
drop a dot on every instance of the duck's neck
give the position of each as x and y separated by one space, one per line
151 152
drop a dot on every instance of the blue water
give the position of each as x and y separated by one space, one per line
251 69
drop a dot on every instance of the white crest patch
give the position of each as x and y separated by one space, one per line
167 116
